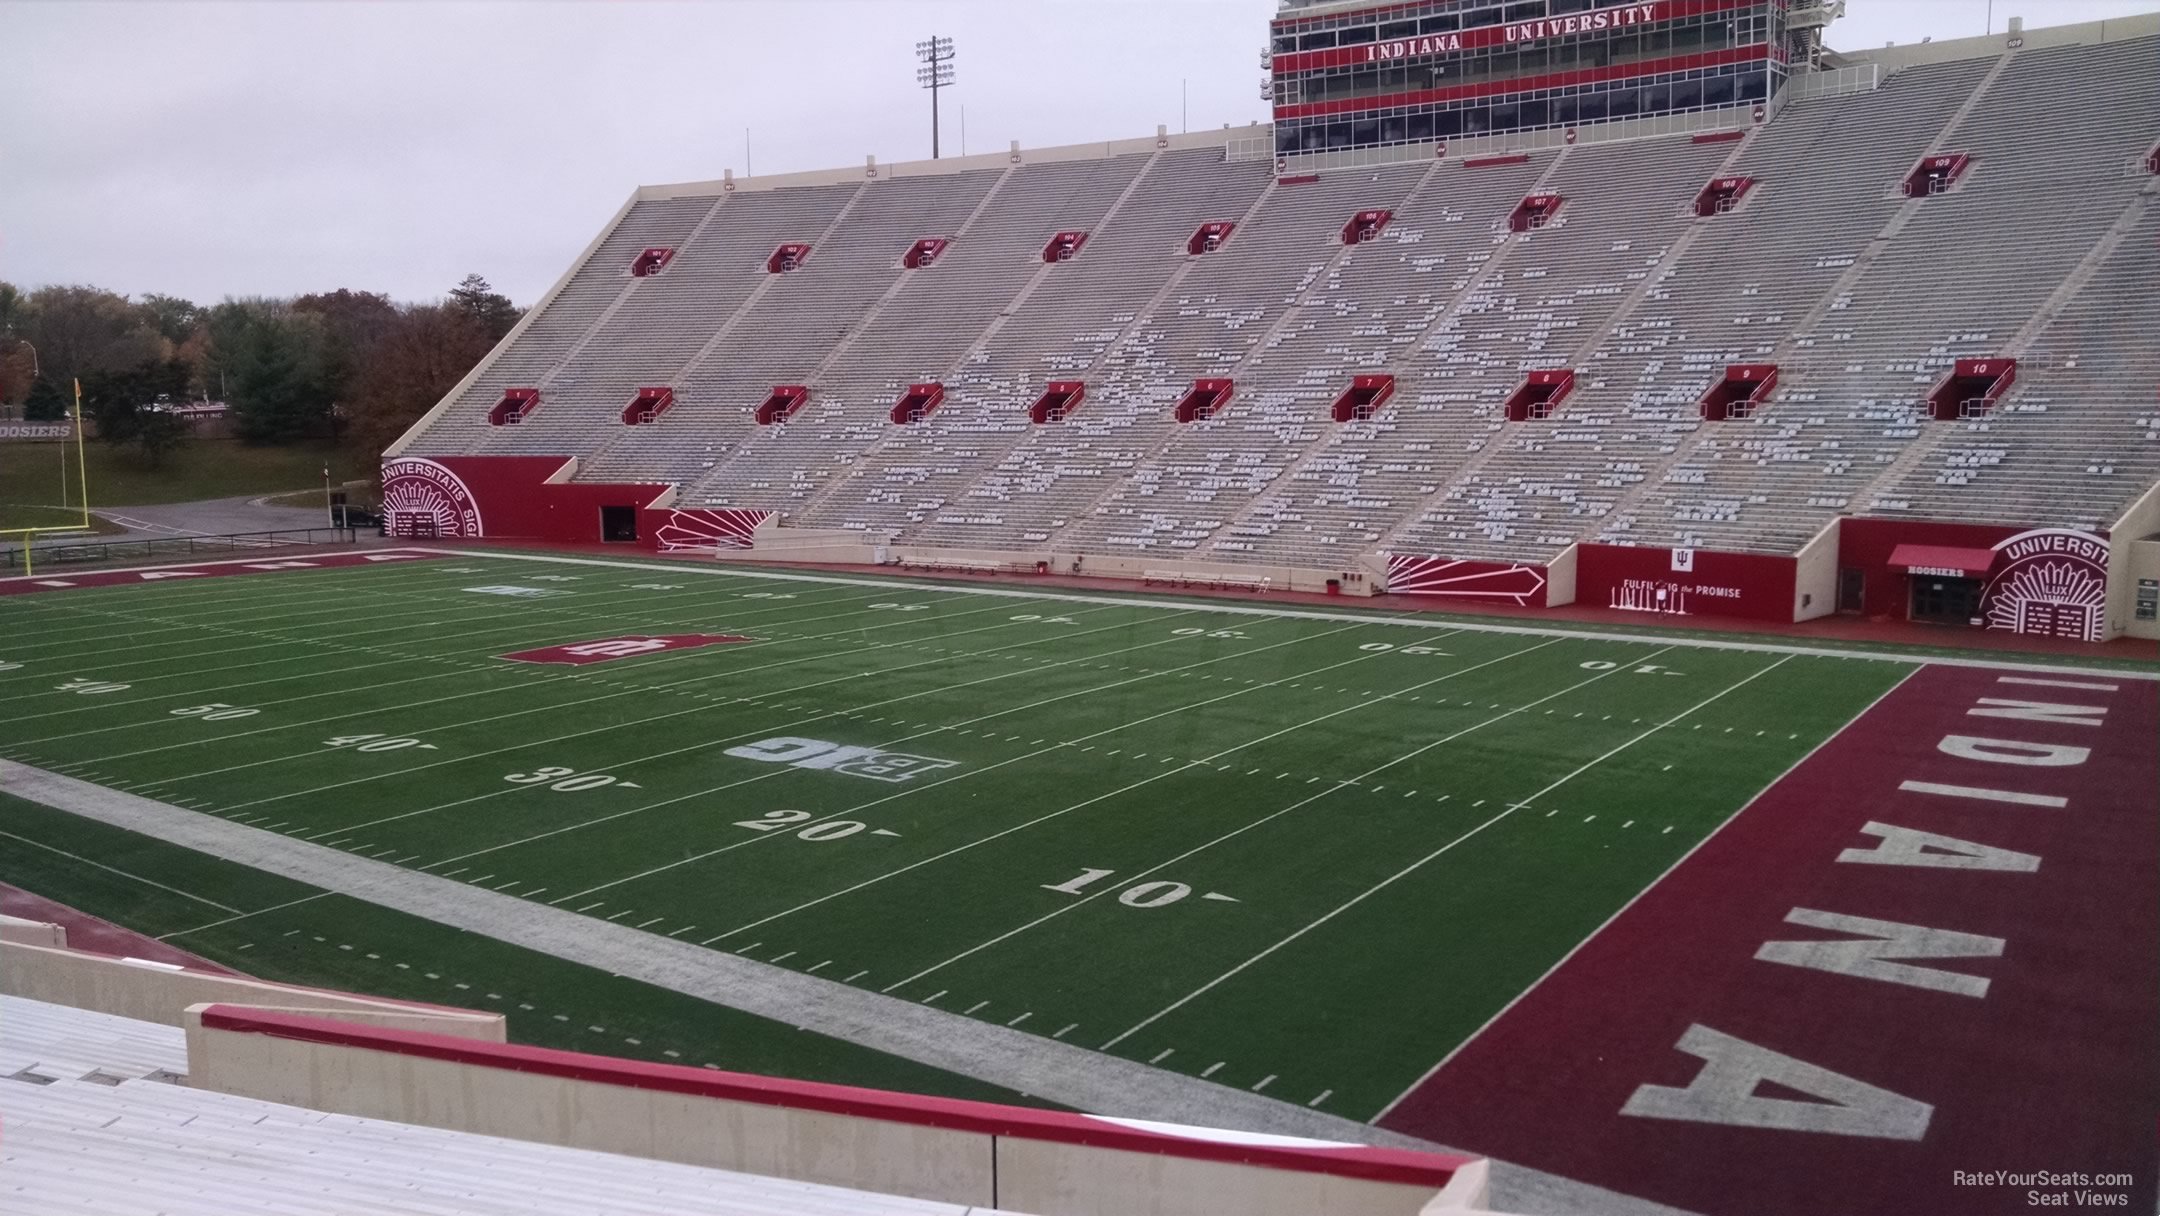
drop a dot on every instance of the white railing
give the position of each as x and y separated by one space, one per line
1834 82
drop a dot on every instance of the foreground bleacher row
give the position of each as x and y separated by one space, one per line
2045 250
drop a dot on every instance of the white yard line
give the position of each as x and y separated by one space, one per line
1435 621
243 916
701 744
1014 1059
1274 815
1421 862
1188 766
524 630
1631 901
148 882
1085 692
537 679
460 613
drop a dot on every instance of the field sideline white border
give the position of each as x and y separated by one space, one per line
1439 620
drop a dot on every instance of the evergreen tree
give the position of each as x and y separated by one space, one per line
45 403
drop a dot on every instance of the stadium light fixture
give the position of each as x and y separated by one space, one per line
936 72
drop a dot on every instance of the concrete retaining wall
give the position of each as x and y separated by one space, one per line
1041 1162
155 992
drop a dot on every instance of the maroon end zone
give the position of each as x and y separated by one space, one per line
31 584
1932 947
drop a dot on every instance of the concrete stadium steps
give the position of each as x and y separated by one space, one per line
1959 278
1861 297
558 324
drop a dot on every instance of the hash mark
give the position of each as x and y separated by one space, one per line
1162 1055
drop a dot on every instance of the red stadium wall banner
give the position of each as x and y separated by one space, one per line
1483 582
2040 582
675 531
500 498
1685 582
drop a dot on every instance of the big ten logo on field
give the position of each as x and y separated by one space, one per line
577 654
843 758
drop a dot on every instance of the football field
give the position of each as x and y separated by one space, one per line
1302 853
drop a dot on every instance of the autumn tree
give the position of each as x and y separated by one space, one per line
82 331
412 368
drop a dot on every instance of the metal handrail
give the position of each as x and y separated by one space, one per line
164 546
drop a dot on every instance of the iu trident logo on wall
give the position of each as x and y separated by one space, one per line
424 499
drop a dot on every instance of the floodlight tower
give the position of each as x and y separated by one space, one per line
936 72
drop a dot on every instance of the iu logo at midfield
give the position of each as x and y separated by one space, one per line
577 654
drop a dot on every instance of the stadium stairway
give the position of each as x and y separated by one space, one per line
1861 297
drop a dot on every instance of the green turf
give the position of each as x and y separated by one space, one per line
1405 826
197 469
278 929
16 515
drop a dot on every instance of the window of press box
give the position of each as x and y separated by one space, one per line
1398 29
1593 103
1357 36
1529 11
1285 43
1441 24
1562 7
1315 42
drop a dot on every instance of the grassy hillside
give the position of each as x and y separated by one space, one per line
31 473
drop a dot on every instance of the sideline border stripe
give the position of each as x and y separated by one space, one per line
1434 621
1634 899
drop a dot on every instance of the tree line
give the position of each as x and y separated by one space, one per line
352 367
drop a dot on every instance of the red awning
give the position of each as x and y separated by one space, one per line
1944 560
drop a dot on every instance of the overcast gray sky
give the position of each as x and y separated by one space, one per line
272 148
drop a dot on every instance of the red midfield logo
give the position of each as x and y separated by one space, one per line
577 654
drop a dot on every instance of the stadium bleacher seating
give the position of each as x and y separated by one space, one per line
95 1123
2043 250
